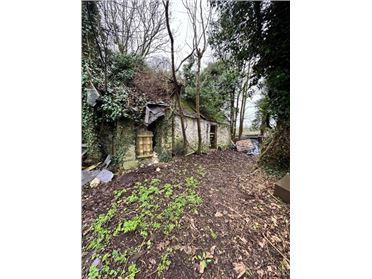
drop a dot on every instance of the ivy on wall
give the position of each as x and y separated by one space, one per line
163 138
118 103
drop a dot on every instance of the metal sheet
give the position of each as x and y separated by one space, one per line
153 113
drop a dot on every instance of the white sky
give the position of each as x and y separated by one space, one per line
182 31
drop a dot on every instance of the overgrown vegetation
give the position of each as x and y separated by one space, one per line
218 82
261 30
156 221
151 207
113 75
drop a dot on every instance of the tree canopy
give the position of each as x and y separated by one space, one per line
255 30
217 83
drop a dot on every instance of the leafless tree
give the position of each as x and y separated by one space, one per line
199 21
134 26
245 95
178 87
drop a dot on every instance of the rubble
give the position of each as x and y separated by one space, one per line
249 146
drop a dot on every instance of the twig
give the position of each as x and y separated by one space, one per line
192 152
275 248
256 168
280 201
148 275
233 210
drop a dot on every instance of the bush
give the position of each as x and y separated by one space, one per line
276 152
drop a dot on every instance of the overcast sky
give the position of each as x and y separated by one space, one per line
182 30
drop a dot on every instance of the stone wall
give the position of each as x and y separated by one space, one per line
163 137
120 141
223 136
223 133
191 133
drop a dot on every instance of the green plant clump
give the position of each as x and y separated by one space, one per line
102 234
164 263
132 270
94 272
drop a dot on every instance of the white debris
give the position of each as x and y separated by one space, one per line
95 182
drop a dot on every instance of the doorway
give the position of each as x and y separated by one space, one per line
213 136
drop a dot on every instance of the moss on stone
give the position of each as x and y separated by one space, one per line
127 165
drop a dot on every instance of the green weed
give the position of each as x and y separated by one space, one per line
102 234
204 260
118 257
164 263
132 198
131 225
213 233
132 270
169 228
119 193
156 225
193 198
94 272
191 182
168 191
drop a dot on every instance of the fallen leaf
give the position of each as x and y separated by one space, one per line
192 224
240 269
162 245
286 264
274 221
243 240
212 249
274 238
190 250
208 255
260 273
262 244
218 214
202 266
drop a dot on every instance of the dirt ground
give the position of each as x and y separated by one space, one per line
239 230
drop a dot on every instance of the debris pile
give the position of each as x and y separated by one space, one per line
96 174
249 146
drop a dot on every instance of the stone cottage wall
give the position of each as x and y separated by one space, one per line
223 133
191 133
223 136
163 138
120 141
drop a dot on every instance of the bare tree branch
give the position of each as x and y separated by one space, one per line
134 26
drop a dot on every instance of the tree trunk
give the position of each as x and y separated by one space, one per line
242 113
178 99
232 109
197 105
177 87
236 111
244 101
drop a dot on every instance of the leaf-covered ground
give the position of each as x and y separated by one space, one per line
206 216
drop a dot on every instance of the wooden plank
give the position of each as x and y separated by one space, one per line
144 156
